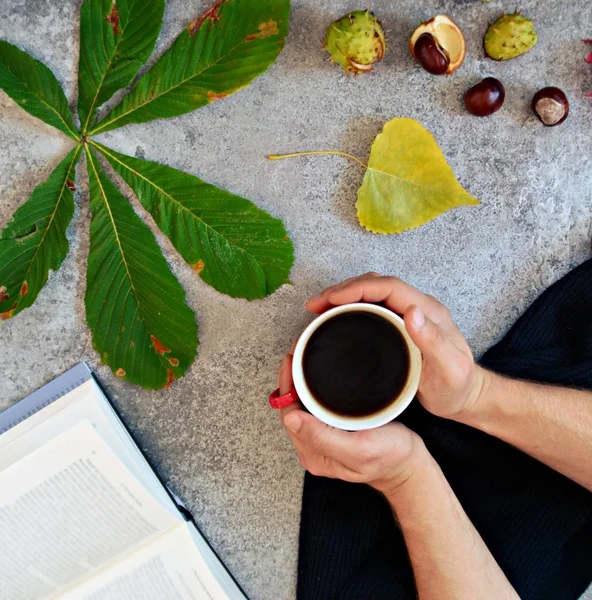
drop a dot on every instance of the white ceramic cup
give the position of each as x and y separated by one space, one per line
393 410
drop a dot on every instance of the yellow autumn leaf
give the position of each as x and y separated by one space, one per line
408 181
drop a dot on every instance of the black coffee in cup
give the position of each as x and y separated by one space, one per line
356 364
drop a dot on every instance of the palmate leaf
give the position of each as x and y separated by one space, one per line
34 242
218 54
35 88
236 247
408 181
116 39
135 307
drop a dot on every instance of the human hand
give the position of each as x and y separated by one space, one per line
451 382
384 458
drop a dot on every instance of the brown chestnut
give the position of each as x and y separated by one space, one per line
550 105
429 55
486 97
438 45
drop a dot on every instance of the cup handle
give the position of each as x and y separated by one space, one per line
276 401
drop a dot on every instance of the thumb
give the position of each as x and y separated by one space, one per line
320 438
429 337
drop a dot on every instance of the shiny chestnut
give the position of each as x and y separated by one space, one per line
485 98
550 105
429 55
438 45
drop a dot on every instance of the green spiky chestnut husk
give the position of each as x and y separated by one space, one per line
509 37
356 41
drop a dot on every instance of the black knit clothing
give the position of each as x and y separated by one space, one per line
536 522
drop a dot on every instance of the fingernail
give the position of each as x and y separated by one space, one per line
293 422
418 318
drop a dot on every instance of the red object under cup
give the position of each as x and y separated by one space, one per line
277 401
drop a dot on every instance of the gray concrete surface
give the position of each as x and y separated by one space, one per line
211 435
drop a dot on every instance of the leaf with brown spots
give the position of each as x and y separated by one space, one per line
129 284
34 242
170 379
158 346
266 29
113 19
4 316
210 15
234 42
116 38
213 97
141 325
236 247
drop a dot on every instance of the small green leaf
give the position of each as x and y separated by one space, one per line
34 242
235 247
218 54
34 87
408 181
116 38
135 307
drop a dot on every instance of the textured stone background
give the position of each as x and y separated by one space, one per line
211 435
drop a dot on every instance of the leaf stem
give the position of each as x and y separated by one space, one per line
314 152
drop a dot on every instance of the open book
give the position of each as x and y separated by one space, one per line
83 515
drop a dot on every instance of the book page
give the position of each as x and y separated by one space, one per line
214 564
171 568
67 510
84 402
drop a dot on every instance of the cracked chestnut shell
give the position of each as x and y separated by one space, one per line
486 97
438 45
550 105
